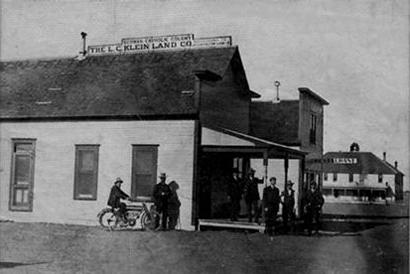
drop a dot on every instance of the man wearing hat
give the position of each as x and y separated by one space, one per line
288 205
271 201
234 194
161 194
116 195
251 195
313 203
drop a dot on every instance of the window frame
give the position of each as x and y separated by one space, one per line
380 178
334 176
362 177
351 177
313 128
146 147
96 149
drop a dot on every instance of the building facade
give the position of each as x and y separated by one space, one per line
295 123
69 127
360 177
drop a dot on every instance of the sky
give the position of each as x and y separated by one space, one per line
353 53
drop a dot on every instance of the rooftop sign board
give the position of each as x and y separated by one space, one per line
350 161
154 43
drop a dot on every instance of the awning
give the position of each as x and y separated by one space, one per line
222 140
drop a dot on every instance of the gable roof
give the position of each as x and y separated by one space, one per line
276 122
108 86
314 95
365 163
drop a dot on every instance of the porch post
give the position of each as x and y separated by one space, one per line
265 165
301 187
286 170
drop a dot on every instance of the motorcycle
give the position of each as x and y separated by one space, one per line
109 218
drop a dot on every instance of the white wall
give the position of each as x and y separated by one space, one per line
370 181
55 156
213 137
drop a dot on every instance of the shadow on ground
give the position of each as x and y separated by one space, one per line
14 264
326 226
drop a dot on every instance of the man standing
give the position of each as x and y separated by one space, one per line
234 194
114 200
313 203
388 193
173 205
271 200
288 208
161 194
251 195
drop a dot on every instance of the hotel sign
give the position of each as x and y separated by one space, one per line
345 161
154 43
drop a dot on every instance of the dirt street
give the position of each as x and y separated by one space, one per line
51 248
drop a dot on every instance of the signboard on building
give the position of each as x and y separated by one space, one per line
345 161
154 43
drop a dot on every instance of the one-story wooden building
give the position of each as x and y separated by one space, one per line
69 127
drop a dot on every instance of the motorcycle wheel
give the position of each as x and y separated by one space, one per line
107 219
150 223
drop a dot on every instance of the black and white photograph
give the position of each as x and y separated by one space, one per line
204 136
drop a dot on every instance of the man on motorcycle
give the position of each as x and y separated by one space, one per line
114 200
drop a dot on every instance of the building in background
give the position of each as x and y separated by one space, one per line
360 177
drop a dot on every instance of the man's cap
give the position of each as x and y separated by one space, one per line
290 183
272 178
118 180
163 175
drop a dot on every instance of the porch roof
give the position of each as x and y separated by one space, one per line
222 140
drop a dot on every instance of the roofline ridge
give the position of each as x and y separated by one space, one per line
34 60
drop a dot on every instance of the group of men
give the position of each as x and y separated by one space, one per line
248 189
165 198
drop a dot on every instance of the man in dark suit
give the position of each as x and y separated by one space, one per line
288 208
161 193
234 194
251 195
114 200
271 200
313 202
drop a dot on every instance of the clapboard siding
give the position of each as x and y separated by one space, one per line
308 106
55 159
225 104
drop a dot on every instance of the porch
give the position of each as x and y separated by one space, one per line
222 150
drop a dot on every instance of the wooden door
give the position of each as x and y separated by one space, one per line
22 175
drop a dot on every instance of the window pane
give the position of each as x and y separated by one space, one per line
87 160
144 185
144 163
85 185
22 169
23 147
144 168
